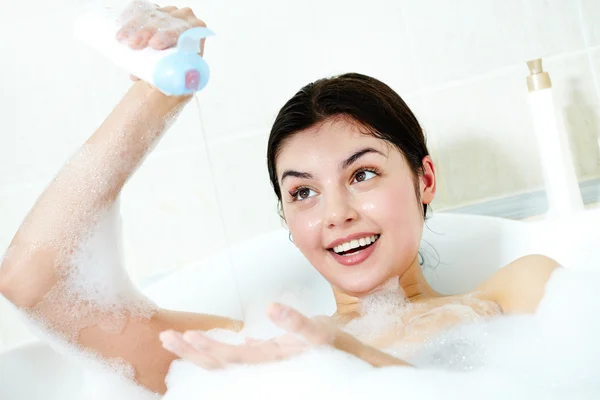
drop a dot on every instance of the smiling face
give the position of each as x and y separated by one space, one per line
352 203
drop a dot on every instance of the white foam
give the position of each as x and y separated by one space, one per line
380 312
93 287
553 354
98 378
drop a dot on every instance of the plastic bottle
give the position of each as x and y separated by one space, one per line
176 71
562 188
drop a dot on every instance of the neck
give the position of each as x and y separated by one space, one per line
412 282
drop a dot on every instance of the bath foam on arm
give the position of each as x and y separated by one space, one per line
64 266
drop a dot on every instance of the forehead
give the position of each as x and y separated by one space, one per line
329 141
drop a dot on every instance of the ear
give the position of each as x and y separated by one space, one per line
281 214
427 181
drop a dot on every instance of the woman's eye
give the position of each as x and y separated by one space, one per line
304 193
361 176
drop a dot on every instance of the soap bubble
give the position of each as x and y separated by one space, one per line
552 355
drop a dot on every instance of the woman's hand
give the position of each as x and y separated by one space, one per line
303 332
145 24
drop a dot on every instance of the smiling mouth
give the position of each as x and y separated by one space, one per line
354 246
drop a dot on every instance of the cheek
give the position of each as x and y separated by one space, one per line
306 230
395 210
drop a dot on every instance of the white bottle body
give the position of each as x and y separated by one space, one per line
562 187
99 30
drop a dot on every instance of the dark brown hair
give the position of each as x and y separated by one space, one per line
369 102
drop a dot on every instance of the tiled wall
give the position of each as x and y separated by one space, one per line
459 64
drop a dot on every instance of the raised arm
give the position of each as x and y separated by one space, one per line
84 189
42 271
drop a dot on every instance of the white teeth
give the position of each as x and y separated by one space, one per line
353 244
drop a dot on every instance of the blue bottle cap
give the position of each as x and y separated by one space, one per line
184 71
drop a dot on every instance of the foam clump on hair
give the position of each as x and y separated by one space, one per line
552 354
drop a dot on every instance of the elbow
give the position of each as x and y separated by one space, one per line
6 279
4 273
13 289
21 282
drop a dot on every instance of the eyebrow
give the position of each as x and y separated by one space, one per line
343 165
352 159
297 174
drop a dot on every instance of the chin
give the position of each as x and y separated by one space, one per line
363 286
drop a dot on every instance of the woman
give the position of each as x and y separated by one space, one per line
350 168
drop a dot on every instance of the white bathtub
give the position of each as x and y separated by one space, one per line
459 251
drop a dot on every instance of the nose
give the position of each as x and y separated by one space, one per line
340 211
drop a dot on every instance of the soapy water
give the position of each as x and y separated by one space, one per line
553 354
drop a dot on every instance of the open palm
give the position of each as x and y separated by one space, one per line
302 333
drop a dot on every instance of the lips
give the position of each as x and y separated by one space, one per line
355 256
349 238
355 245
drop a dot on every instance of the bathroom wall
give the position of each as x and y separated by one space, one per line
459 64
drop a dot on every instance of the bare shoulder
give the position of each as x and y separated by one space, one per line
519 286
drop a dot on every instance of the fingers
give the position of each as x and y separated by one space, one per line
145 24
126 30
258 352
165 38
167 9
315 332
183 13
223 352
174 342
196 347
140 39
207 353
251 341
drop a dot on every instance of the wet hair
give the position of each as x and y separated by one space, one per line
370 103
